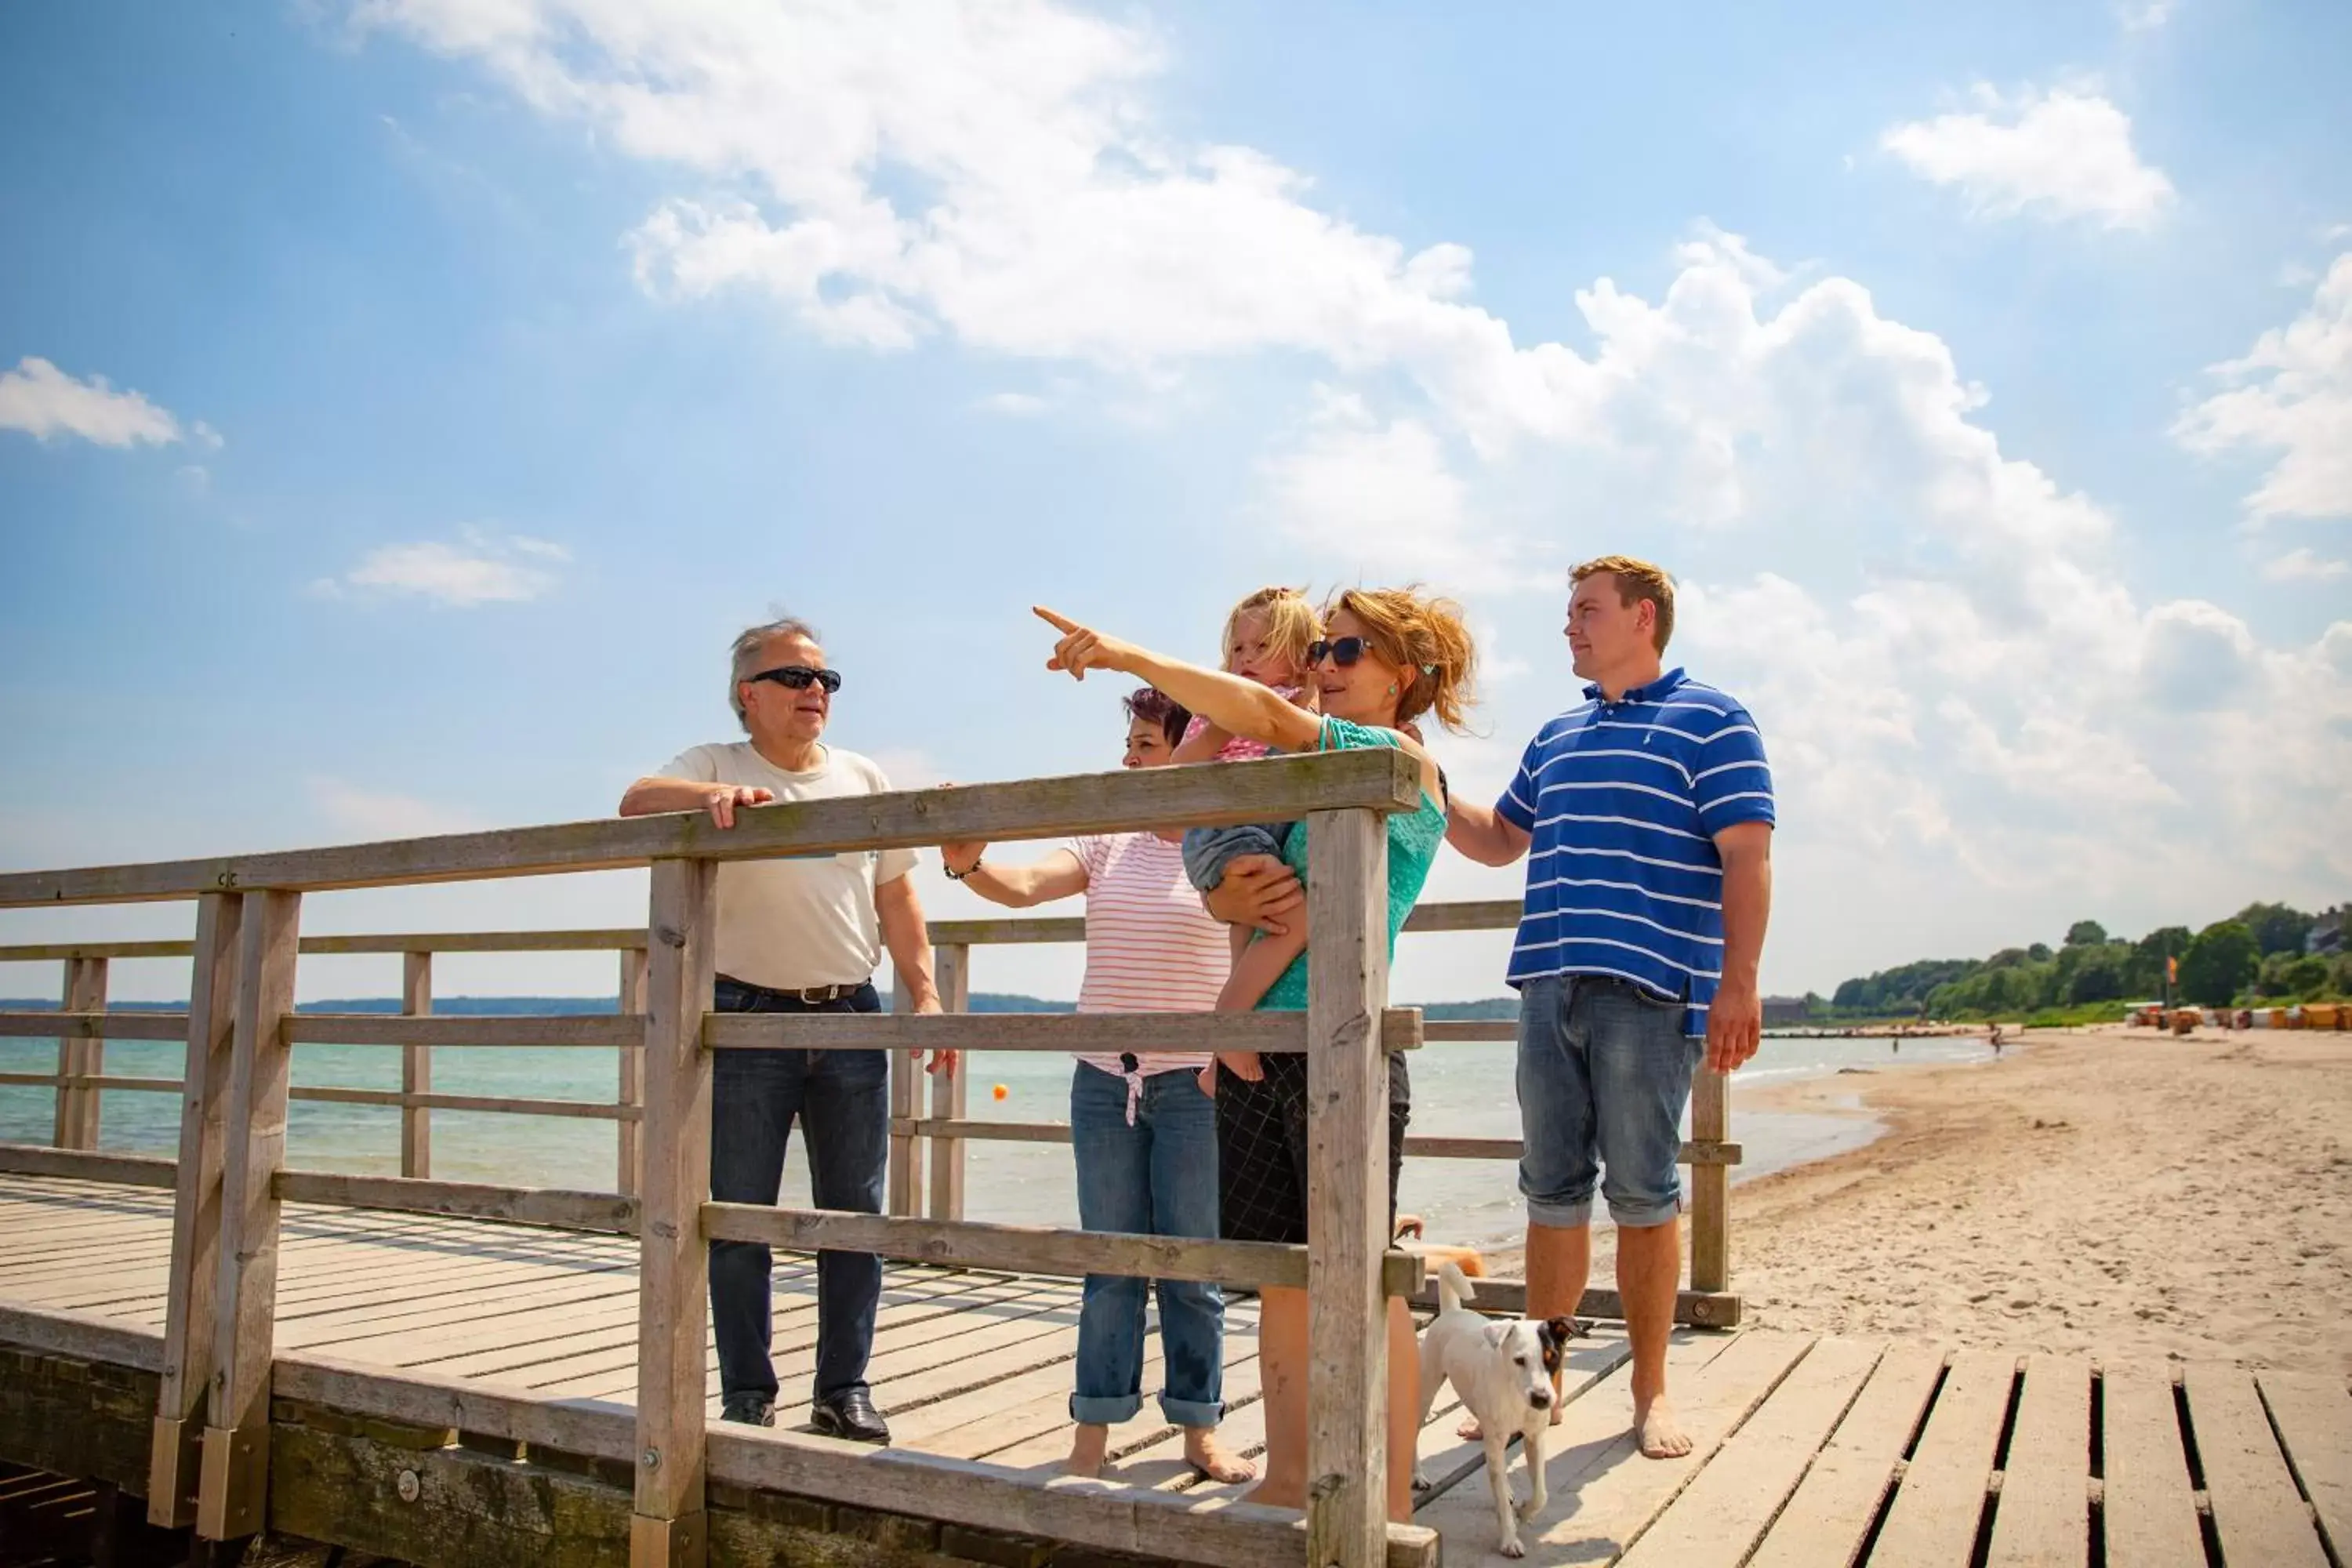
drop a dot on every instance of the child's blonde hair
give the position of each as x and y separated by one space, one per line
1291 624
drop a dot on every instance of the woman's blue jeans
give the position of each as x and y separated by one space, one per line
1158 1177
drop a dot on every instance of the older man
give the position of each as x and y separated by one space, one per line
1648 806
801 934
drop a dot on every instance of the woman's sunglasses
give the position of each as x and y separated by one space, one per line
798 676
1341 651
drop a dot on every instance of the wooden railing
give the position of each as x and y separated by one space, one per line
210 1452
934 1137
81 1077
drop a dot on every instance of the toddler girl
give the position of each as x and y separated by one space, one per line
1265 640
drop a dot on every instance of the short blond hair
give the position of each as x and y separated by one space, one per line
1637 580
1291 624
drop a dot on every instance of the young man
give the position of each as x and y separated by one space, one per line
797 935
1648 808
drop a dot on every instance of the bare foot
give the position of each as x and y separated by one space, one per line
1212 1459
1087 1451
1662 1436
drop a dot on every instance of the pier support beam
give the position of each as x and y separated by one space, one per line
233 1484
949 1089
1710 1197
1346 1190
668 1529
631 1087
194 1272
415 1068
77 1112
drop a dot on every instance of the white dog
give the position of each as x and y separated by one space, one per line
1503 1369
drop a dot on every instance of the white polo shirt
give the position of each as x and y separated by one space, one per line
803 919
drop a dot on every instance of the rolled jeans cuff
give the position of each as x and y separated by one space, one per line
1560 1217
1642 1216
1104 1410
1190 1413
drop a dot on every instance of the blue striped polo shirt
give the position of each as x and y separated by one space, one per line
1623 801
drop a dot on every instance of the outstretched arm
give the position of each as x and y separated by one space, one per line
1236 705
1060 875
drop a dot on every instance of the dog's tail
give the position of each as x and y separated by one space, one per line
1453 1285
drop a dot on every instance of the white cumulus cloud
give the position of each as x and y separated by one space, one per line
1966 705
2303 564
1373 497
2062 153
477 569
2290 395
41 400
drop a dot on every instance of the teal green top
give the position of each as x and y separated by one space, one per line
1414 839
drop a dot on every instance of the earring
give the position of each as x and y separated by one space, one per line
1392 689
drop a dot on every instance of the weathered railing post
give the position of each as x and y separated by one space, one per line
631 1089
233 1483
194 1272
1346 1190
415 1067
948 1096
1710 1200
668 1529
905 1178
77 1117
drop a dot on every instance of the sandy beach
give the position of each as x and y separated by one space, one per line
2112 1192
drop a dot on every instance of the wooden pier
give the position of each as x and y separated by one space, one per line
445 1373
435 1348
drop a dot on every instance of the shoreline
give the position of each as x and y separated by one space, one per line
2103 1191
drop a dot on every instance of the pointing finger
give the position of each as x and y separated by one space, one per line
1059 622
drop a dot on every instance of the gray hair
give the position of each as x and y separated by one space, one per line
744 660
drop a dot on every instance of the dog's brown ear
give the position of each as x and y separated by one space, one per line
1560 1331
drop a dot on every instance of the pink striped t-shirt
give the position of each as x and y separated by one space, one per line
1150 947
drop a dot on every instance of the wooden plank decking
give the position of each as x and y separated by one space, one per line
1810 1451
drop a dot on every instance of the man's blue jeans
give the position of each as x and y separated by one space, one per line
1158 1177
842 1100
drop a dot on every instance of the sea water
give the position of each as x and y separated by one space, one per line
1460 1090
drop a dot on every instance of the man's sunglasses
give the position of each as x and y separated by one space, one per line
1341 651
799 677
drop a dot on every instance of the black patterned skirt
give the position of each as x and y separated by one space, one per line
1262 1155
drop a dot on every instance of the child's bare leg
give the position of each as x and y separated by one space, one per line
1258 966
1254 973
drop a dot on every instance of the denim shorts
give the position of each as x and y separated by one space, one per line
1604 1073
1209 850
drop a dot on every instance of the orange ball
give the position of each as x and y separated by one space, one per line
1000 1092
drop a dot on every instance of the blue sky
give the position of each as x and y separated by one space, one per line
402 404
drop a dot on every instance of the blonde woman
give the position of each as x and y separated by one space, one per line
1387 658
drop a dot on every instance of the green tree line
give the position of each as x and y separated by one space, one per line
2256 956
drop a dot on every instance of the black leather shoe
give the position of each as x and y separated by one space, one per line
750 1409
850 1416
